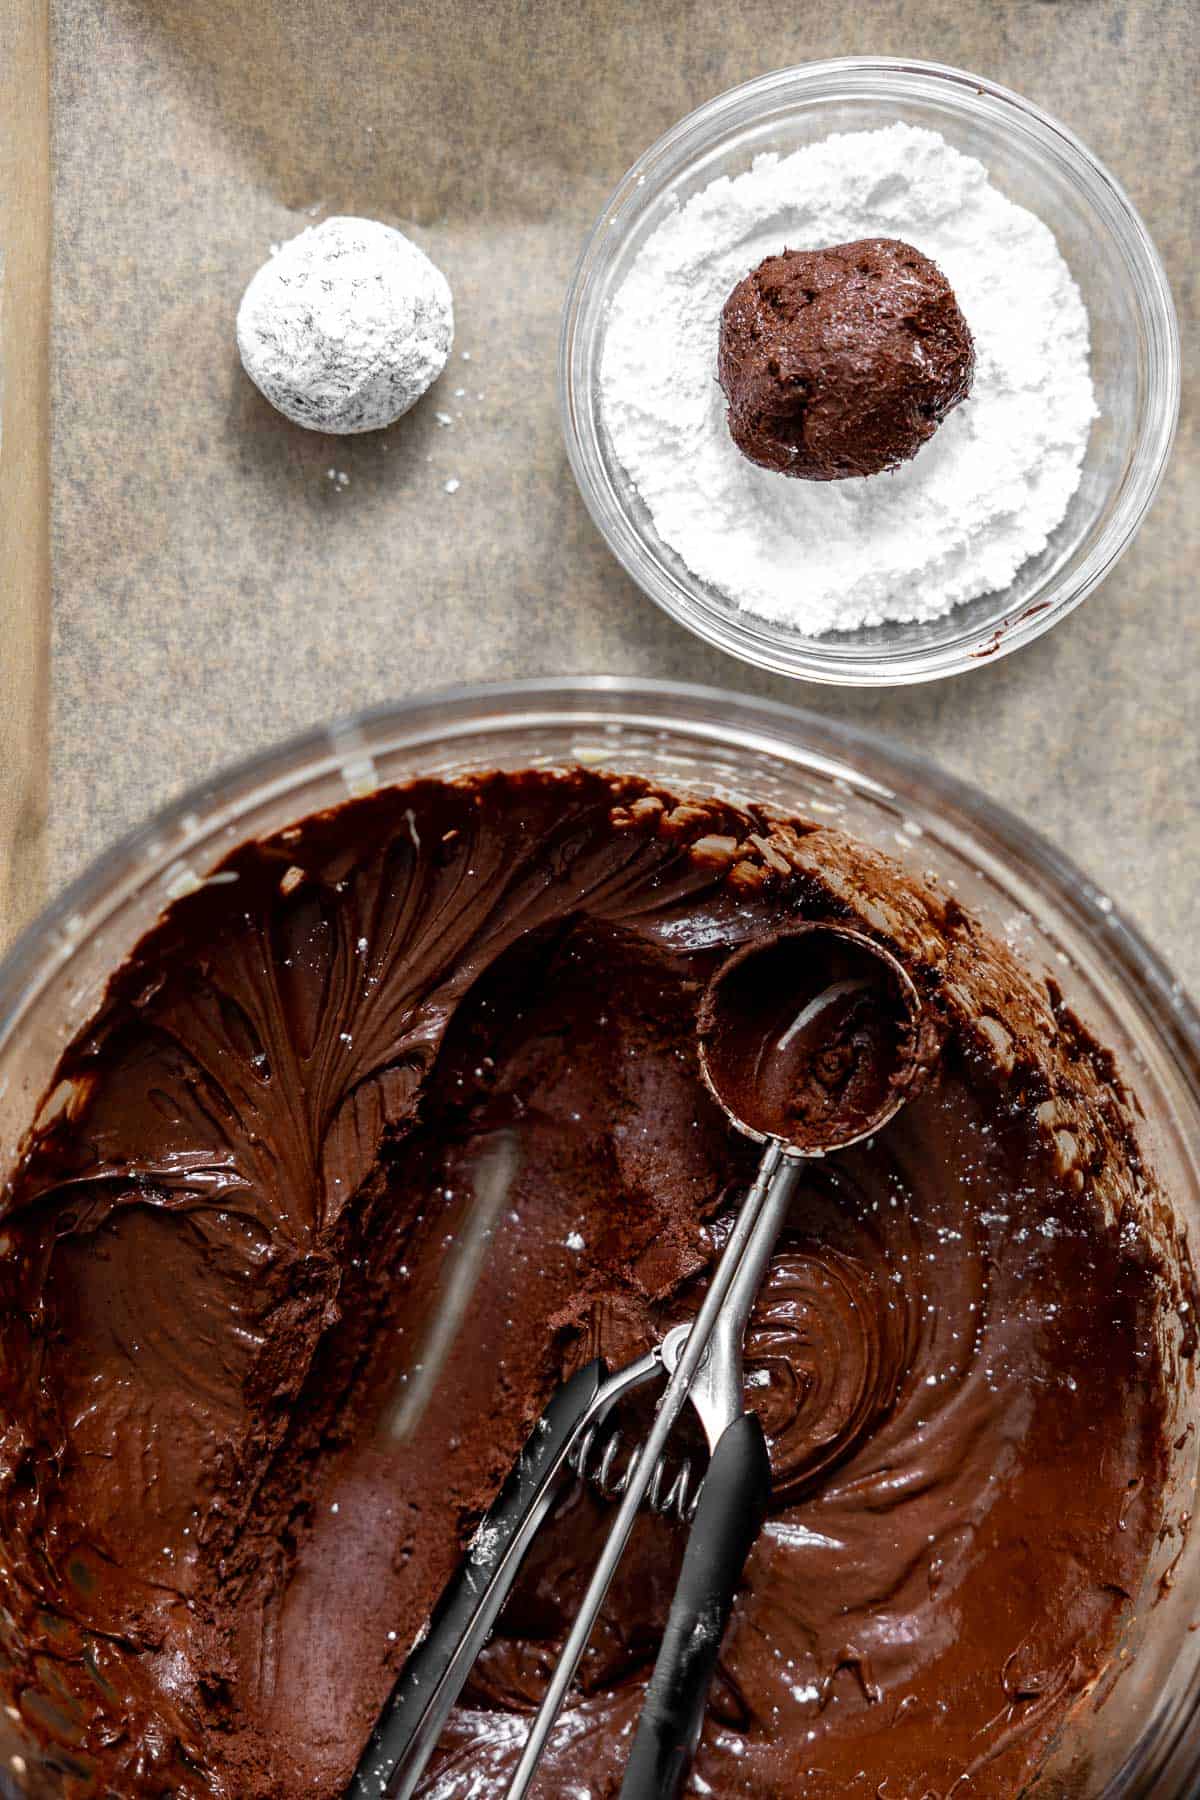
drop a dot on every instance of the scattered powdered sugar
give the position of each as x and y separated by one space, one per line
346 326
980 498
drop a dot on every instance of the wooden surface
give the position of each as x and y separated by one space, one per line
214 590
24 453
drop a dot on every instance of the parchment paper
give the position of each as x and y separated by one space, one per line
214 588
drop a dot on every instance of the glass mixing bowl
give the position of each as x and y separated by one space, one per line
1140 1739
1038 163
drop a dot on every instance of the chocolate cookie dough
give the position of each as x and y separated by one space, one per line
843 361
375 1138
812 1037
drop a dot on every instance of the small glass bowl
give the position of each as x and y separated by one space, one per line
1037 163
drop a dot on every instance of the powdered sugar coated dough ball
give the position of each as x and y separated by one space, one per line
346 326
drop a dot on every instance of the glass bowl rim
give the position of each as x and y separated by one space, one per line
810 658
463 710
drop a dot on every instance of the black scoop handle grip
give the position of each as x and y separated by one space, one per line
733 1505
432 1679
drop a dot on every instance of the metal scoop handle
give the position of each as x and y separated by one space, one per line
733 1504
752 1236
703 1361
406 1734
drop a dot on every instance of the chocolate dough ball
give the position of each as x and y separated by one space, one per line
843 361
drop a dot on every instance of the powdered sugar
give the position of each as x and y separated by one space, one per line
346 326
980 498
